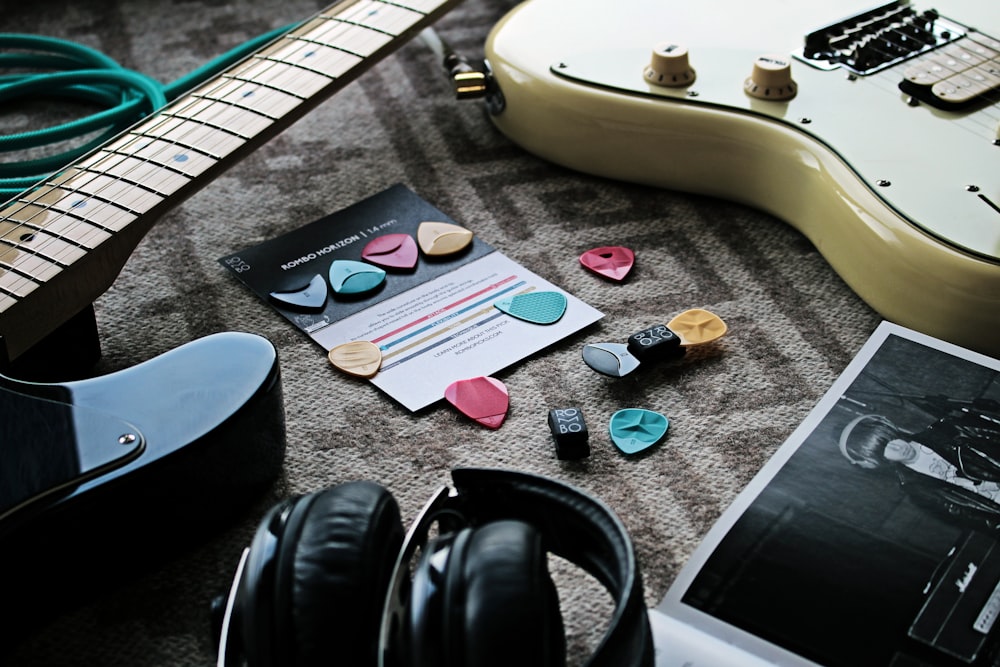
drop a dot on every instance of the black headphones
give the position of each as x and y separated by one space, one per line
329 578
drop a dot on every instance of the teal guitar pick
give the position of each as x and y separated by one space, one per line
534 307
634 430
348 276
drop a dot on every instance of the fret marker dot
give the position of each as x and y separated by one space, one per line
79 203
27 238
180 157
248 93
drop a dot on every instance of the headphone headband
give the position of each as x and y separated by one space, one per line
574 526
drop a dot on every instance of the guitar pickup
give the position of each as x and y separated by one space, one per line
956 76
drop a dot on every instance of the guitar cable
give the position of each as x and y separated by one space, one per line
40 68
34 67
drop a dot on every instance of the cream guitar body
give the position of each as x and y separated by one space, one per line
899 189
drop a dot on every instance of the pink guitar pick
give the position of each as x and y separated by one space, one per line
483 399
612 262
394 251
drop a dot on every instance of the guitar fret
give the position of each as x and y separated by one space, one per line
112 190
25 273
7 301
422 6
223 116
102 214
269 102
348 37
210 140
42 218
315 57
48 246
79 232
390 19
287 77
182 159
139 172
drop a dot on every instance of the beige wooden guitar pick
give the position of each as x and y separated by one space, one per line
359 358
437 239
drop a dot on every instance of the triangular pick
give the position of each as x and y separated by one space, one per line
634 429
359 358
612 359
612 262
442 238
697 326
393 251
310 297
534 307
483 399
348 276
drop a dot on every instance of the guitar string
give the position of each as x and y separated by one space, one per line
932 53
170 113
991 95
177 111
174 112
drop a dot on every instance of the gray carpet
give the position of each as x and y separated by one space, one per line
793 324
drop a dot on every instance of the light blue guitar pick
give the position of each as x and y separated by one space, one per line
534 307
310 297
612 359
348 276
634 429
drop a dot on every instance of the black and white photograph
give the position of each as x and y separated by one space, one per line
876 541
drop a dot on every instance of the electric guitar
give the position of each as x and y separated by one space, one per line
874 132
186 437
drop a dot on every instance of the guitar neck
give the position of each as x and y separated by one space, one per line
63 242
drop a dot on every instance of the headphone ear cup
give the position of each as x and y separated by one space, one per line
257 587
334 568
501 607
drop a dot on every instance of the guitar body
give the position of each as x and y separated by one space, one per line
901 196
104 477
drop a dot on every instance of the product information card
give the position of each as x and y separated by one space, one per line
435 322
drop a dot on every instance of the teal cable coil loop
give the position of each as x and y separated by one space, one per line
63 70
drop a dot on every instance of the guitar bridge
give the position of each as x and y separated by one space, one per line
956 65
879 38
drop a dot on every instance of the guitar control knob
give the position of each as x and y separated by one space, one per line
771 79
669 66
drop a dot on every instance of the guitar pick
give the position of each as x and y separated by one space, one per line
393 251
634 429
437 239
612 359
310 297
348 276
534 307
697 326
359 358
612 262
483 399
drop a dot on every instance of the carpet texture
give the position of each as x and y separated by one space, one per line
793 324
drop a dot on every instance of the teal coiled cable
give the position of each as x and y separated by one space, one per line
33 66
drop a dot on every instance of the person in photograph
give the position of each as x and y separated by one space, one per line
953 463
